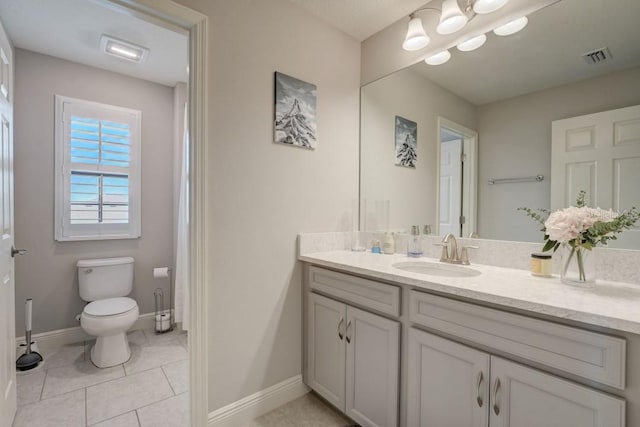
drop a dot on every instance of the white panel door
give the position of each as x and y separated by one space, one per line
7 293
326 348
373 348
448 383
525 397
450 187
600 154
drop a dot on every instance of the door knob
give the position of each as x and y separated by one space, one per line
15 252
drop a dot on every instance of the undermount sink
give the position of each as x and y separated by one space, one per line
436 269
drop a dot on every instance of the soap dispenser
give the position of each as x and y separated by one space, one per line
414 244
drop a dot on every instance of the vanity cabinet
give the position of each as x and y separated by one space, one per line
450 384
353 360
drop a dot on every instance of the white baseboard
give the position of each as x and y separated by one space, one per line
244 410
58 338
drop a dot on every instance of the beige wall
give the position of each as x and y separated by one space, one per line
515 140
261 193
47 273
412 192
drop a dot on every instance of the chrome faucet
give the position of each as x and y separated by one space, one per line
450 251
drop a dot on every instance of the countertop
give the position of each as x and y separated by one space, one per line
608 304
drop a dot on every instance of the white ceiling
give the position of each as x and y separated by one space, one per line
360 18
546 54
71 30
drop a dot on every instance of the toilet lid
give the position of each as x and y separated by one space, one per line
109 306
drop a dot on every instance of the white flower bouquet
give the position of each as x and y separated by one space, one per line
580 228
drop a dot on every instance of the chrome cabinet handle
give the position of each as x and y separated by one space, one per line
340 335
15 252
478 396
496 387
347 332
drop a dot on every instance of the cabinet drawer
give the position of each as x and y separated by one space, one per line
367 293
590 355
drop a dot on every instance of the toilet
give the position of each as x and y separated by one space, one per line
105 283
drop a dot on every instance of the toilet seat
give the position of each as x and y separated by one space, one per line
110 307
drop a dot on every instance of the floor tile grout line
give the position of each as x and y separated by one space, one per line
167 378
138 418
46 373
135 409
112 418
80 388
161 400
86 408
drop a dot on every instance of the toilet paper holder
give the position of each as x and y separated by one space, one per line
163 320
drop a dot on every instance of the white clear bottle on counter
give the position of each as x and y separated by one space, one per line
388 244
414 243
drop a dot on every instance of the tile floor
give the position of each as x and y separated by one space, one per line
148 390
306 411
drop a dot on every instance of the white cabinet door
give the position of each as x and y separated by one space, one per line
326 348
372 369
448 383
525 397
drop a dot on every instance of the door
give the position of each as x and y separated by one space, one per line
372 369
448 383
451 187
326 348
600 154
525 397
8 402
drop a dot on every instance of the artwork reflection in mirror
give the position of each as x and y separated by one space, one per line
406 147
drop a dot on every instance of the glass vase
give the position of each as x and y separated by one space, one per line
578 266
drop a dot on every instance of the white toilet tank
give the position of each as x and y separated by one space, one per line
105 278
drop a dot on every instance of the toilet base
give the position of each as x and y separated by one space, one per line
111 350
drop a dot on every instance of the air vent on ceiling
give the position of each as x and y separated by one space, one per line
597 56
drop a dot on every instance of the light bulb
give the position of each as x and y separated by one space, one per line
511 27
452 18
438 58
473 43
416 37
487 6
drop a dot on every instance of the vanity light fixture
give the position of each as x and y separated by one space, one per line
123 49
511 27
487 6
472 43
439 58
416 37
452 19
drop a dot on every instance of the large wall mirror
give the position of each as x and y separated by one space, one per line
484 124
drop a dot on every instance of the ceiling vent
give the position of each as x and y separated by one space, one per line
597 56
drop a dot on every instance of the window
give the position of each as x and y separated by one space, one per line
97 171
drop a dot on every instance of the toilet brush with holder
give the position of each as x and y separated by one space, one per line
163 319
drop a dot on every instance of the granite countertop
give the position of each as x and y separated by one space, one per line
612 305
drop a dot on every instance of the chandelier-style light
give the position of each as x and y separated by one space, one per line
453 18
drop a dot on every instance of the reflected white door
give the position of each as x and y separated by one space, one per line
450 187
7 294
600 154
